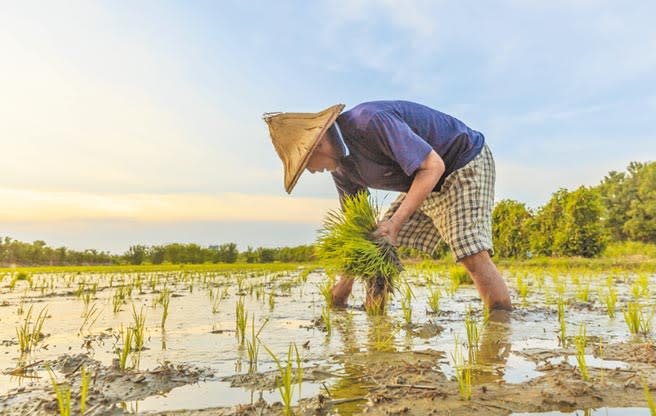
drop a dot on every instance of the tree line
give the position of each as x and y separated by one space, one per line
14 252
581 222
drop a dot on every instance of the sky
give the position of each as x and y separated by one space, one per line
140 122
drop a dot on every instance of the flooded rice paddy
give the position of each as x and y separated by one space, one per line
265 341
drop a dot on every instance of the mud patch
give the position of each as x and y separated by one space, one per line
108 386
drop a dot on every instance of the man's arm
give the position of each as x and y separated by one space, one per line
428 174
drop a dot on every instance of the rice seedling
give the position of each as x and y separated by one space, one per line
240 284
164 300
86 299
299 370
382 337
84 389
126 337
253 346
648 397
80 290
347 244
460 274
285 386
325 290
434 295
20 276
90 316
636 290
28 336
304 274
63 393
259 292
118 299
241 319
406 304
138 328
561 320
463 372
471 325
454 284
561 286
643 284
610 299
375 306
522 288
636 319
216 302
21 307
581 341
272 301
583 292
325 317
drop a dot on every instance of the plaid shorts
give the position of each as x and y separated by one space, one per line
460 213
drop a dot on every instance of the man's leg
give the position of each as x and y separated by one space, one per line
487 278
341 291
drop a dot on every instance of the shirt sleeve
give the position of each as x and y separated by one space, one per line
398 142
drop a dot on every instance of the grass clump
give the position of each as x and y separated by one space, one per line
347 244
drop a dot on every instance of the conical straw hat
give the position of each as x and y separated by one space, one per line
296 135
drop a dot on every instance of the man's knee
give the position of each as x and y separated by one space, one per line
475 261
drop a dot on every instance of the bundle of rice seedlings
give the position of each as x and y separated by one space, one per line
347 245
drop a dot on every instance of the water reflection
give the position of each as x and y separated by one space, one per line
350 389
382 333
491 357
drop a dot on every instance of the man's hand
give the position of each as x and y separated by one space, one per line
426 177
389 229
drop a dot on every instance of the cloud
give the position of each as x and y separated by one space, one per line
20 205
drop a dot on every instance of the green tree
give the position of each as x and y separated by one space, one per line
136 254
510 233
580 230
544 224
617 192
641 222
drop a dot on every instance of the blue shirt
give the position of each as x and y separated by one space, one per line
386 141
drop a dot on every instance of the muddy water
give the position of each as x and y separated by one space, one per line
515 351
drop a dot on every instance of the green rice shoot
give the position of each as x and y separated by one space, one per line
347 243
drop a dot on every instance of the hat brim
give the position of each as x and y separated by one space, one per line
337 109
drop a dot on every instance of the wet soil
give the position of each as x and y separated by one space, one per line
358 365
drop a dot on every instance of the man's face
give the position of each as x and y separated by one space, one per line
323 158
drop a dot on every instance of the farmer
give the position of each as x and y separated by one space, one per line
443 170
